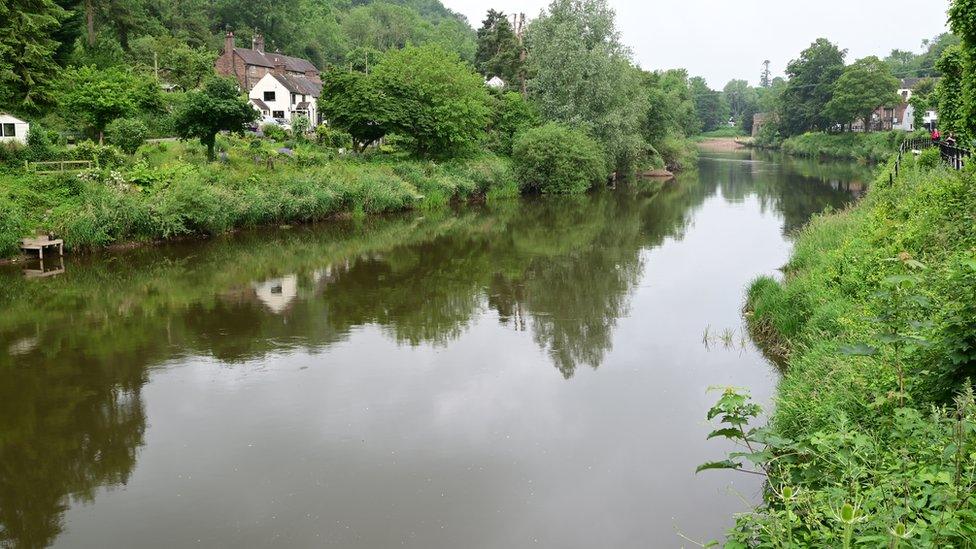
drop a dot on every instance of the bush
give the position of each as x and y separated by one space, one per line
127 134
274 132
104 156
930 158
555 159
13 227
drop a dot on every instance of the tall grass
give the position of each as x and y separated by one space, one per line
169 191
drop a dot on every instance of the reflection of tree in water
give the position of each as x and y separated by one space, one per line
74 351
795 188
67 427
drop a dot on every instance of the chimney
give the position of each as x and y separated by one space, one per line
229 43
279 65
257 43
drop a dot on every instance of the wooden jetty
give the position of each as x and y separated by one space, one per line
40 243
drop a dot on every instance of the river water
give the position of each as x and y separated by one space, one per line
527 373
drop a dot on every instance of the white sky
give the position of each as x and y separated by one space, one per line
725 39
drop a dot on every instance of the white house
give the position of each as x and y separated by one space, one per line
13 129
284 96
495 83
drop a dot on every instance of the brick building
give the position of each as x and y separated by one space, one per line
249 66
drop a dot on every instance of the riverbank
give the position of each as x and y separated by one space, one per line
875 322
168 191
861 147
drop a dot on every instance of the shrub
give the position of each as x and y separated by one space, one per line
930 158
13 227
555 159
104 156
127 134
274 132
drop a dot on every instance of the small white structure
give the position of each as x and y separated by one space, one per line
13 129
284 96
278 293
495 83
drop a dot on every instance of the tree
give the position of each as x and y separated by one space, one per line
670 107
863 87
511 114
218 107
713 111
499 52
127 134
28 71
352 102
174 61
556 159
439 103
740 97
950 90
94 97
582 76
764 79
923 99
810 87
962 20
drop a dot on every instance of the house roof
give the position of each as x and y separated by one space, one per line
299 84
302 106
9 118
909 83
260 104
293 64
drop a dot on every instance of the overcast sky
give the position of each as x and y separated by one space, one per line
722 39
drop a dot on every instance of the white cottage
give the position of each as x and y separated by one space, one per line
284 96
13 129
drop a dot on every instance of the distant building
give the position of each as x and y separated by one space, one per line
759 120
13 129
902 116
283 96
249 66
495 83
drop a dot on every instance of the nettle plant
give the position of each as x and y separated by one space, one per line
911 482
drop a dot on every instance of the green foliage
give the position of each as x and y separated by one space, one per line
962 21
582 76
875 324
909 483
218 107
499 52
812 76
670 106
863 147
28 71
178 63
511 114
864 86
274 132
951 91
127 134
94 97
930 158
436 100
299 126
103 156
555 159
354 103
712 109
13 226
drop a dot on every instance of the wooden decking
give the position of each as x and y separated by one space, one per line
40 243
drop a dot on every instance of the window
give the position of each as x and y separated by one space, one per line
9 130
294 96
269 96
278 114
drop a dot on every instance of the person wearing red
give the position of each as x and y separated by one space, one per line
936 135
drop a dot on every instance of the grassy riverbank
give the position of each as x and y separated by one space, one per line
168 190
860 147
873 440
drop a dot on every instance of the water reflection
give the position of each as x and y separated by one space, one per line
76 350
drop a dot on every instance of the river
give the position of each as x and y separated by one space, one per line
525 373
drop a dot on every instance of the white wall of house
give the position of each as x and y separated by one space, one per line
13 130
908 123
281 102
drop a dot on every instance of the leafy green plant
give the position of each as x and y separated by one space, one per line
127 134
555 159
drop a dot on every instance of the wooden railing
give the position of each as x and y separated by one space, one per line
58 166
